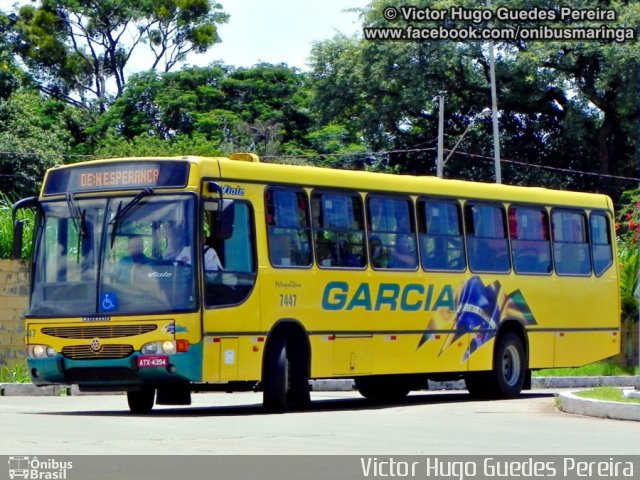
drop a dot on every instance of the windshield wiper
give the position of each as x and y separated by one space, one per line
78 217
123 212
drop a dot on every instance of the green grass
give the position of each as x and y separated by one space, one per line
598 369
6 228
609 394
15 374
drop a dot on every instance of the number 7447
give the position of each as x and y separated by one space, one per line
288 299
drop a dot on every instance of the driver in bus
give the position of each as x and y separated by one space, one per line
183 255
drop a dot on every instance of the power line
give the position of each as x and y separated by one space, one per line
546 167
370 154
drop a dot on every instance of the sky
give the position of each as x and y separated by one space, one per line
272 31
277 31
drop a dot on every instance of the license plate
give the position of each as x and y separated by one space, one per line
150 361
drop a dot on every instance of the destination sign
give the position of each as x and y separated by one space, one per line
116 176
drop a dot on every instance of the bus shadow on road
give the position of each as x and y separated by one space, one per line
318 404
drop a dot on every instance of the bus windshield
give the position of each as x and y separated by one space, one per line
136 253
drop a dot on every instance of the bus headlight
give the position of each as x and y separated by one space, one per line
40 351
150 348
167 348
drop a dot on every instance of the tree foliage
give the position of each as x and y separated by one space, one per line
77 48
262 109
564 105
569 105
33 137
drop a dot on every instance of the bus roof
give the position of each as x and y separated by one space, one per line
248 168
309 176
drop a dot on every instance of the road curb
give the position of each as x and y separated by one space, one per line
571 403
30 390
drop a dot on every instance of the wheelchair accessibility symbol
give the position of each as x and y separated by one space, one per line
109 302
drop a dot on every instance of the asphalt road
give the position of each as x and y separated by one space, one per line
430 423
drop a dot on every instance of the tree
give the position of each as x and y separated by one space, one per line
33 137
602 78
565 104
77 48
11 77
255 109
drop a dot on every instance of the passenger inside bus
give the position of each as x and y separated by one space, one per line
125 267
403 255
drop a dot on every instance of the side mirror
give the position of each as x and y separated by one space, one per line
18 233
18 225
226 218
226 210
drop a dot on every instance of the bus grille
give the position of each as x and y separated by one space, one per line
84 352
93 331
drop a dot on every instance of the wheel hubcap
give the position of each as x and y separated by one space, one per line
511 366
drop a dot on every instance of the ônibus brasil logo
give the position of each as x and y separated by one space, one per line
38 469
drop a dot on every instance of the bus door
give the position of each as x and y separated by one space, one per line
231 310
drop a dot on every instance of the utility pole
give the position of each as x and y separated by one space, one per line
494 110
440 161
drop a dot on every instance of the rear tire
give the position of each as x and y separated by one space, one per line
507 378
141 401
510 366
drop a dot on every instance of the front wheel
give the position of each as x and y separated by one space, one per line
141 401
276 378
286 379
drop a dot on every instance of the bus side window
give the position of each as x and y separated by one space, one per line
288 227
392 238
600 243
338 229
440 232
570 243
530 243
487 238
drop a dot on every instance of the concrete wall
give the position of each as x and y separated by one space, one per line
14 288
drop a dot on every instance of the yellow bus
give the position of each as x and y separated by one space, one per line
164 276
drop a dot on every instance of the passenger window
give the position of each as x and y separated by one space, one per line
570 243
392 239
601 243
288 230
487 238
440 234
530 243
338 229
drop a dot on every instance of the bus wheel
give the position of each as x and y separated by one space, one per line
298 393
509 374
510 366
141 401
382 388
276 377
